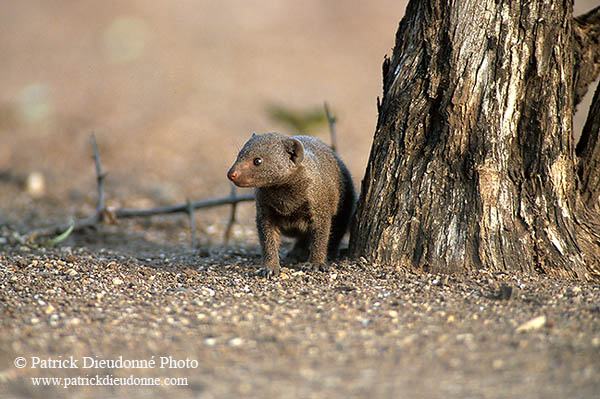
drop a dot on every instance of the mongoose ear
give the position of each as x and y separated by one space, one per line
296 150
253 134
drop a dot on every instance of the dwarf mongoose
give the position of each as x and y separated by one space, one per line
303 190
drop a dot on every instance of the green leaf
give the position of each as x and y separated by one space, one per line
63 235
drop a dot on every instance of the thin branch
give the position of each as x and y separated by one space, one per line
331 119
123 213
99 177
190 210
79 224
163 210
110 215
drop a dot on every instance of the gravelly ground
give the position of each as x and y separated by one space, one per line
355 331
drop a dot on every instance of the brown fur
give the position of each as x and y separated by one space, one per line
303 190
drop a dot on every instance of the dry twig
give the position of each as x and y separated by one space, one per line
190 211
331 119
105 214
99 177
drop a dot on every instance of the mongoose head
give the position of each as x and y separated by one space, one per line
267 160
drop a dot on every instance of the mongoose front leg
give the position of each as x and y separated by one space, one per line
269 236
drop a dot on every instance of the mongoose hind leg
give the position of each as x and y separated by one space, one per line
319 239
300 252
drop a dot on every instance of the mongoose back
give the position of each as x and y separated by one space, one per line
303 190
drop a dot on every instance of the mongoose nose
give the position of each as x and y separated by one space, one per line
232 175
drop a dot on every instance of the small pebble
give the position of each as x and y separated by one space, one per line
533 324
35 185
74 321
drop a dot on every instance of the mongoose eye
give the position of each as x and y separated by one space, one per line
257 161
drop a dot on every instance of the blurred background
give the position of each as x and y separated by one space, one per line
172 89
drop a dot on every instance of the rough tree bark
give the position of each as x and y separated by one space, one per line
473 162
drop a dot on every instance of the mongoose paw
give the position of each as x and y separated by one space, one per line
314 267
268 272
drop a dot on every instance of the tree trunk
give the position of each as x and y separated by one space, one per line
473 163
